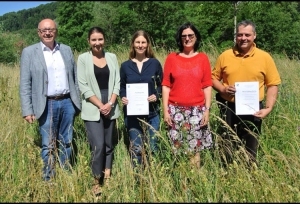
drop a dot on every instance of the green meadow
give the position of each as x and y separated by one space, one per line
166 177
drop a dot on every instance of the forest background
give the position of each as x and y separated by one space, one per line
277 23
167 177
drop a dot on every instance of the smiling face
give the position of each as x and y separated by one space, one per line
188 38
96 41
47 32
140 45
245 38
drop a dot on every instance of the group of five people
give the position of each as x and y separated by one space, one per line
54 89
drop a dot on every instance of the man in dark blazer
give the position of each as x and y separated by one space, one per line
49 93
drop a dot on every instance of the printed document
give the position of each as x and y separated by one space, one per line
137 95
246 98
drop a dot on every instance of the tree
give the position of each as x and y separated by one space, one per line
106 17
235 5
214 20
277 22
74 20
278 29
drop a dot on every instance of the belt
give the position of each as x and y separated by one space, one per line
59 97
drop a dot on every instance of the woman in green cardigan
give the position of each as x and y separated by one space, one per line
99 84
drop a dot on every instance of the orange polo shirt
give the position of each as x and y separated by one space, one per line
257 65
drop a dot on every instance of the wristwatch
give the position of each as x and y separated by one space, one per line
207 108
111 104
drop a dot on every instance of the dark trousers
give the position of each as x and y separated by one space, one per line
100 135
246 127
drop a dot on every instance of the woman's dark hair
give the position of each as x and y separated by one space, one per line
95 29
179 33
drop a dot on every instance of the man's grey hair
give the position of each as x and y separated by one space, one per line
246 23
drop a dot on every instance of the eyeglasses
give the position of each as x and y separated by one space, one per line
191 36
51 30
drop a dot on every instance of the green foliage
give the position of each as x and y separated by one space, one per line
130 16
1 27
74 20
11 46
105 16
277 22
215 21
127 21
162 27
29 36
11 22
276 29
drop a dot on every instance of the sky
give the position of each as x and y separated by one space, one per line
14 6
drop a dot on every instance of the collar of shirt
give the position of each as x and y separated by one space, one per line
44 47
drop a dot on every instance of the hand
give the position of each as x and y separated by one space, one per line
205 118
105 109
124 101
30 118
262 113
152 98
168 119
230 90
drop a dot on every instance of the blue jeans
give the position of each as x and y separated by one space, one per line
138 136
56 127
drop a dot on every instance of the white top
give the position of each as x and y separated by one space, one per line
57 76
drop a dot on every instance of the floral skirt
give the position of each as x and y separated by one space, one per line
185 134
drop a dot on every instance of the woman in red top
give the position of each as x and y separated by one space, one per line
186 94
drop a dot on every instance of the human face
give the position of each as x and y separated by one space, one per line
47 32
96 42
245 38
140 45
188 38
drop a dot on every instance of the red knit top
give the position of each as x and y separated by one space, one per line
186 78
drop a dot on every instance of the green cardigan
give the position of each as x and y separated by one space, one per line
88 84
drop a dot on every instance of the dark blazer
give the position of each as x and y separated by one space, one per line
34 79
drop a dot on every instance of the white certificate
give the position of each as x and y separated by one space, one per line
137 95
246 98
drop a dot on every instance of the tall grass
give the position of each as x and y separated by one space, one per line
166 177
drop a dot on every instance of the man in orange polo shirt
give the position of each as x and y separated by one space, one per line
244 63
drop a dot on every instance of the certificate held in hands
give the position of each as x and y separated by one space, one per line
137 95
246 98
